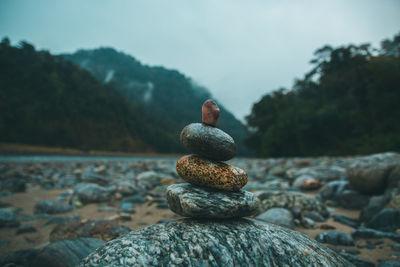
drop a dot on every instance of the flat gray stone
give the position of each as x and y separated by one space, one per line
208 141
190 242
199 202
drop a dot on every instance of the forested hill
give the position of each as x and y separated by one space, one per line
349 103
47 100
167 95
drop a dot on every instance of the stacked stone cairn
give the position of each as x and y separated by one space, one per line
213 190
215 235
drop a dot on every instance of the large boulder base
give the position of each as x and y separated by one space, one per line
199 202
190 242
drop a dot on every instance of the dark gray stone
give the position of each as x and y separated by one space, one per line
92 193
395 247
387 220
126 188
19 258
375 204
199 202
51 207
357 261
65 253
335 238
127 207
8 218
345 220
315 216
13 185
371 179
278 216
372 233
26 229
342 193
209 142
389 264
138 198
308 223
190 242
56 220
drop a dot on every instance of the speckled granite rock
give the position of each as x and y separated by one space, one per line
199 202
291 200
208 141
192 242
203 172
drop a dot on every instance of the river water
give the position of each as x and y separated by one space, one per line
47 158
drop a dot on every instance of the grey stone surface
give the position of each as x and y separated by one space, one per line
375 204
357 261
8 218
387 220
190 242
290 201
345 220
91 193
51 207
199 202
372 233
342 193
278 216
208 141
335 238
65 253
370 175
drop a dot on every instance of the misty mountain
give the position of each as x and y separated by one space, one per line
167 96
47 100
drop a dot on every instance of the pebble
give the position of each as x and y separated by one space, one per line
127 207
335 238
345 220
51 207
387 220
210 113
357 261
91 193
372 233
209 142
198 202
203 172
26 229
278 216
8 218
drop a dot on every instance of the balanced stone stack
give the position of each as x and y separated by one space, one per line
214 187
213 193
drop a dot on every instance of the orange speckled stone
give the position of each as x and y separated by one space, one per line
203 172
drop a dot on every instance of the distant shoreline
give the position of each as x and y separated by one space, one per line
14 149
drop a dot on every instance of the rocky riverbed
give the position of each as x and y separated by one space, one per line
50 209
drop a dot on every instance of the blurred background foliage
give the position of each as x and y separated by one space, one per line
349 103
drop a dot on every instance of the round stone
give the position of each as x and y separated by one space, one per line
209 142
199 202
210 113
190 242
203 172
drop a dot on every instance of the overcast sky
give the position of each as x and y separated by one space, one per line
238 49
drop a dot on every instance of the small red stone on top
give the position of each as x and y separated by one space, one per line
210 113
